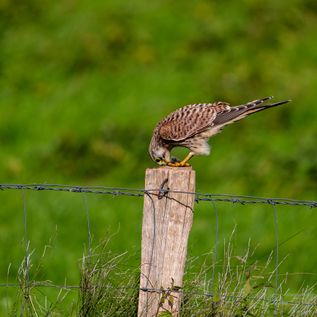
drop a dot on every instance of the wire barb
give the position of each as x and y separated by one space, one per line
163 192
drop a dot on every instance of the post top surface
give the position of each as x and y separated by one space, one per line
189 168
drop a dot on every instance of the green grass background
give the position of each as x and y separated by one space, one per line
82 85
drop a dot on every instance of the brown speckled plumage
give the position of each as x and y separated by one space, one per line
191 127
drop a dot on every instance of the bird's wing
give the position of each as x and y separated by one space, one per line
190 120
208 119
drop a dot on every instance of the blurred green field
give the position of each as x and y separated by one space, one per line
82 85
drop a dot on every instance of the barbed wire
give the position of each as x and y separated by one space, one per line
160 193
136 192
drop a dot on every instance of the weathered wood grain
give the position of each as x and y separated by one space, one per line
167 221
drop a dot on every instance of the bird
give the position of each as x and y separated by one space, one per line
191 127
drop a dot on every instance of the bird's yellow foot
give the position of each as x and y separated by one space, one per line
178 164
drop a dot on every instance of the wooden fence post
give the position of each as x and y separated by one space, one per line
167 220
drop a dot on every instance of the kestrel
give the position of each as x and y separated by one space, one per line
191 127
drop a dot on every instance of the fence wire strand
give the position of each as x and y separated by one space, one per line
26 277
88 225
153 244
135 192
214 256
273 299
276 246
26 239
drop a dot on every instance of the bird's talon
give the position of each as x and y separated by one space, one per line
181 164
173 164
178 164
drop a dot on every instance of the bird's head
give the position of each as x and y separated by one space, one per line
160 155
159 151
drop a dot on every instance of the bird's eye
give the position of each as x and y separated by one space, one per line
157 160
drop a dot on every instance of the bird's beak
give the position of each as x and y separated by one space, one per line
161 163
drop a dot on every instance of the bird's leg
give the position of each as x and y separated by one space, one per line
186 159
183 163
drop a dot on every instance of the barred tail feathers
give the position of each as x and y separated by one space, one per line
239 112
